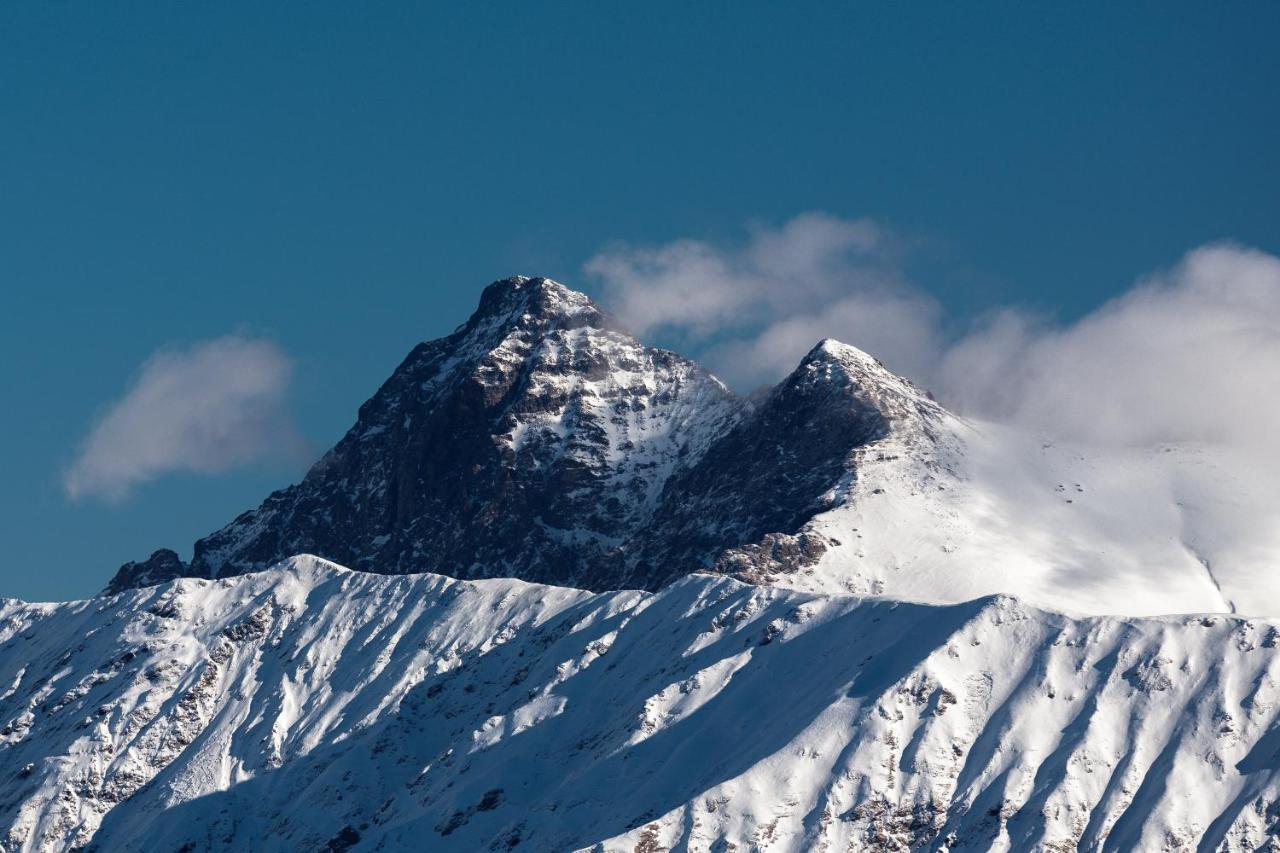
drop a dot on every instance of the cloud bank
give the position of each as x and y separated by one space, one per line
1189 354
205 409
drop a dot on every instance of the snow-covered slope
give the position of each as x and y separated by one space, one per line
309 707
989 508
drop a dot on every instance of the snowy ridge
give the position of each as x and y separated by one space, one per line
310 707
984 508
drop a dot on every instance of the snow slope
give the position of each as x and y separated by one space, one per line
989 508
310 707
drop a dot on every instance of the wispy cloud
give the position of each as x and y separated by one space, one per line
758 307
205 408
1190 354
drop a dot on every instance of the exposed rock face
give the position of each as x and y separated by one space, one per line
538 441
163 565
790 459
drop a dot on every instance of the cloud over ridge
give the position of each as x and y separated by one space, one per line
758 308
205 408
1188 354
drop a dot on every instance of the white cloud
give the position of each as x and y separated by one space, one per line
207 408
759 307
1191 354
899 328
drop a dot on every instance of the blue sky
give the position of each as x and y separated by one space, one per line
340 180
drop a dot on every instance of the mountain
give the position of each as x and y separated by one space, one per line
540 441
532 442
745 507
596 601
313 708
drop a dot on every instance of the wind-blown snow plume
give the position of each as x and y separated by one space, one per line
213 406
1192 354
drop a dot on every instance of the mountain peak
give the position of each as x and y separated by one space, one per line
514 298
832 363
830 349
541 441
163 565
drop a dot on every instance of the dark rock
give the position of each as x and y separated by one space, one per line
346 838
162 566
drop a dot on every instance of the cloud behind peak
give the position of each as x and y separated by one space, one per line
755 309
1191 353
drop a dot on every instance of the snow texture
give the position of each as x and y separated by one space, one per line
311 707
856 622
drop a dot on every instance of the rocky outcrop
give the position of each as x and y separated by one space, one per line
539 441
163 565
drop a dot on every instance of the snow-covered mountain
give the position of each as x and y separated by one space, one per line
533 442
1138 531
665 617
539 441
313 708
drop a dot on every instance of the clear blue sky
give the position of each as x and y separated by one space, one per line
343 178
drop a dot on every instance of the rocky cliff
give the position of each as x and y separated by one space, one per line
541 442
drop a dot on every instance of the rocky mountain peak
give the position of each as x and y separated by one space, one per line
542 442
526 299
835 368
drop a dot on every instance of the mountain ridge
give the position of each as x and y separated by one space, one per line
540 441
312 707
